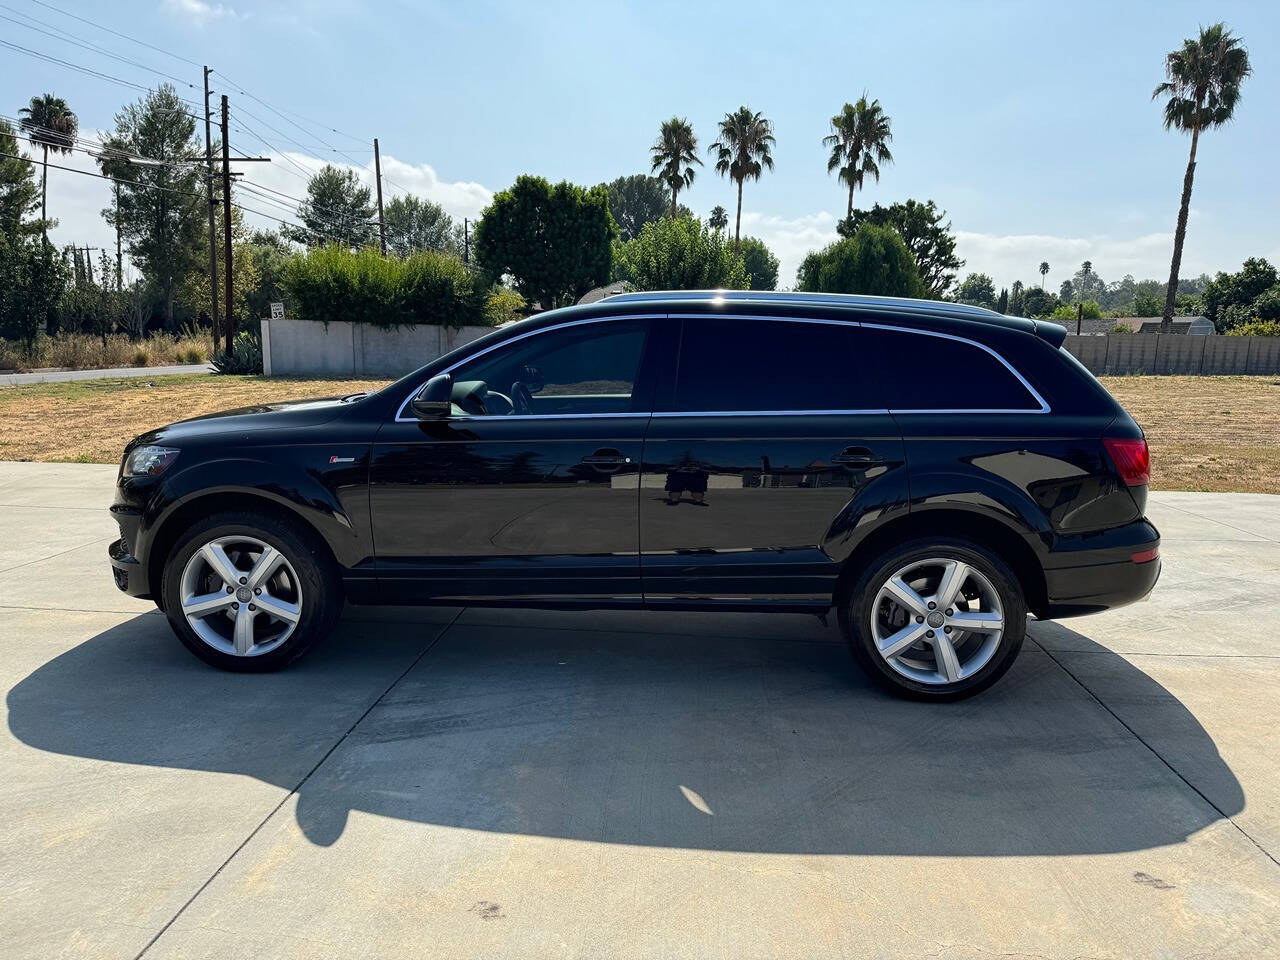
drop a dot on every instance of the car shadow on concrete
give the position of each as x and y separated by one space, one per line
662 732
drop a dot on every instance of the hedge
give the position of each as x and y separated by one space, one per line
332 283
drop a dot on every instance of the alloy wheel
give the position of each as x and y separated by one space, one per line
937 621
241 596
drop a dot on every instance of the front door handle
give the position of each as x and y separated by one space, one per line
605 459
857 457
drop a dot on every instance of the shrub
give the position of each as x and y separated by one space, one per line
679 254
1067 313
193 355
141 356
330 283
1256 328
503 306
873 261
246 356
82 351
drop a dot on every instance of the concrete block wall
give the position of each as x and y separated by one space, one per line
304 348
1125 354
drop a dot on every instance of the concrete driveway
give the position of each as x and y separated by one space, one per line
471 783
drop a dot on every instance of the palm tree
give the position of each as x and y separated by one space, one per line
719 218
49 122
1203 88
674 154
859 142
1044 272
743 149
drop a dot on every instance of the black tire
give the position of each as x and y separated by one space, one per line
320 583
855 617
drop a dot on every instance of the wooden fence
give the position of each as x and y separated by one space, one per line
1119 354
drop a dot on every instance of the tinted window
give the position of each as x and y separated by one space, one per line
729 364
922 372
590 368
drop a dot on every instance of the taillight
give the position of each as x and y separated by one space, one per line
1132 460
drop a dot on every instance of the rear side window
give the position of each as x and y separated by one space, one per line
920 371
732 364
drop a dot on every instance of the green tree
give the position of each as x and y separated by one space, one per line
744 150
33 279
1044 272
161 209
875 260
1202 88
1002 304
554 241
859 143
19 195
977 289
1017 300
1037 302
1086 284
1228 297
416 223
760 263
927 236
636 200
719 218
679 254
672 157
1146 305
337 210
49 122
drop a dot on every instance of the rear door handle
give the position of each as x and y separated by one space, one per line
605 459
857 457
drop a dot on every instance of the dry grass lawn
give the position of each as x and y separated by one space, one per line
1206 433
1219 434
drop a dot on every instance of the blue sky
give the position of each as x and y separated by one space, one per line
1031 124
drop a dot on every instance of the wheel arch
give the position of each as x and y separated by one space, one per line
181 516
980 528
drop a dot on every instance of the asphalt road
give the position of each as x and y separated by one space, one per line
64 376
472 783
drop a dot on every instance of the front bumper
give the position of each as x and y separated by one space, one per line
1100 578
130 574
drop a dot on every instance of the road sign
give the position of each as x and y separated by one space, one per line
277 311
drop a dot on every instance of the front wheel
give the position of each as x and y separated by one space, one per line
250 592
936 619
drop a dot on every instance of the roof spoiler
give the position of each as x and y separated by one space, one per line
1054 333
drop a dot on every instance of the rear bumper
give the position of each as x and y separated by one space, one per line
1096 577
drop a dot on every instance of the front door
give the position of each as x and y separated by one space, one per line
763 456
528 492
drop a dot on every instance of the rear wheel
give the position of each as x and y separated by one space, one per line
936 619
250 592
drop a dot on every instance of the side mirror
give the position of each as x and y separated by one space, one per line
434 400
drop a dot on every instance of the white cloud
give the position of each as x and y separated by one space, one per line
790 238
1017 256
198 11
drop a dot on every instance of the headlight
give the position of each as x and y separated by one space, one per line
149 461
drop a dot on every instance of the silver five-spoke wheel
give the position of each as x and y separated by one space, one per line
241 596
937 621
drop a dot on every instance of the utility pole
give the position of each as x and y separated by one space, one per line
119 259
88 265
466 241
213 239
382 227
226 223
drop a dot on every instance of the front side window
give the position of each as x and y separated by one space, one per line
745 364
589 368
921 371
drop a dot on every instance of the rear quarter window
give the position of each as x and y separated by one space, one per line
926 371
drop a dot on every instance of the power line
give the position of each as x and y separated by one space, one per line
122 36
91 72
84 44
239 88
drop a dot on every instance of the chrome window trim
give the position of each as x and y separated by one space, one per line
1035 394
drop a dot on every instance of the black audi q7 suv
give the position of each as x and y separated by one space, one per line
934 472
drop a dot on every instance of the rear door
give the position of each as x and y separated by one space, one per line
767 446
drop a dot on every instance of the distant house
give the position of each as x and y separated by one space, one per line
1195 326
608 290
